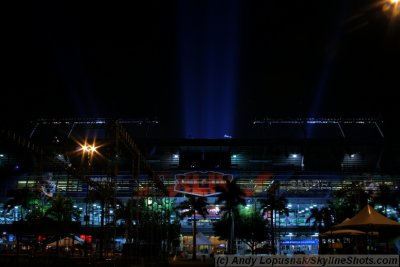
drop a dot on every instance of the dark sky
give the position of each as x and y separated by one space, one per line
304 58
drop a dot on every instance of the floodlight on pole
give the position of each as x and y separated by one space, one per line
392 7
89 151
87 154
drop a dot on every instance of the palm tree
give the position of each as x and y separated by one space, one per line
61 209
62 212
105 193
386 197
232 196
273 203
322 220
348 200
189 208
128 213
251 226
21 198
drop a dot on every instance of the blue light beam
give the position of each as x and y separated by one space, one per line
209 43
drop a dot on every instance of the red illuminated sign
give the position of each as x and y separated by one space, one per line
88 238
200 183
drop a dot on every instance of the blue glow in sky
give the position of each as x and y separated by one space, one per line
209 43
319 97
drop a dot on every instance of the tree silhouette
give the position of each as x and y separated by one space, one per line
127 212
232 196
189 208
22 198
62 213
252 228
105 193
274 202
322 220
348 200
386 197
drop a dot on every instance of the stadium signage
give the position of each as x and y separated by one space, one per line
200 183
300 242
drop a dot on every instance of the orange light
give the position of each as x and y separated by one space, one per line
89 148
392 7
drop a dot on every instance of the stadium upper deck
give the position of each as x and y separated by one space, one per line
277 144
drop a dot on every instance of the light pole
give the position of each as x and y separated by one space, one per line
88 152
87 156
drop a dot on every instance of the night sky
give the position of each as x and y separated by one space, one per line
203 68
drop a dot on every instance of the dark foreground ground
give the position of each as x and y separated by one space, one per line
28 261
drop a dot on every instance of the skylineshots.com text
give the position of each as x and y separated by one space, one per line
308 260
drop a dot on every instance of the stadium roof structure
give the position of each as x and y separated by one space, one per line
333 144
320 128
265 128
60 145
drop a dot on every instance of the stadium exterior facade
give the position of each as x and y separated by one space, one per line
309 159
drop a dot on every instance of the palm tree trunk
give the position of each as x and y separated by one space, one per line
102 230
18 243
319 238
272 232
194 236
232 233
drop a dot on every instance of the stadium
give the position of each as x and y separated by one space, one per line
123 160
